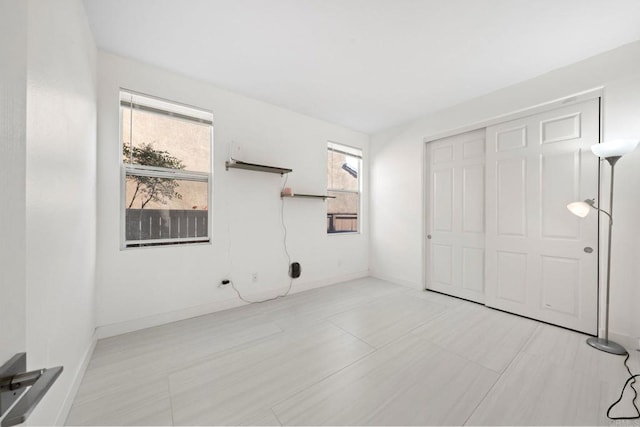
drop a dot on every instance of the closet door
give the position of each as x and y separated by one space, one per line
541 259
455 224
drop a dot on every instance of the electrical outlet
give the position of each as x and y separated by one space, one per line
254 277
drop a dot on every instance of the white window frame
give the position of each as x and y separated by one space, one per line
129 99
354 152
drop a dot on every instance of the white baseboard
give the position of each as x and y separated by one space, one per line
75 385
398 281
113 329
306 286
127 326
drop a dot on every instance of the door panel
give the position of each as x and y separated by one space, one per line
560 175
456 216
511 138
442 154
511 213
560 128
473 269
561 284
512 267
473 199
474 149
443 200
535 263
442 262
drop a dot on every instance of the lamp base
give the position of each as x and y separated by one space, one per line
607 345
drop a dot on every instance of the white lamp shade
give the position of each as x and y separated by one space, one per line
580 209
615 148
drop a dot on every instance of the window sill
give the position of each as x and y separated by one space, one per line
344 233
167 245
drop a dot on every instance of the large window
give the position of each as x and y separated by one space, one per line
166 171
344 165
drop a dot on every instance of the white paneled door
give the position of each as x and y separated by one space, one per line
456 216
541 261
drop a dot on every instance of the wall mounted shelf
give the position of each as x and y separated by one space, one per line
306 196
237 164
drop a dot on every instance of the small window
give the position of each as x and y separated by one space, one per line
166 172
344 166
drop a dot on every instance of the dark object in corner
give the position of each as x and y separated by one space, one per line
294 270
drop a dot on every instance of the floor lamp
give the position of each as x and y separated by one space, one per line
611 152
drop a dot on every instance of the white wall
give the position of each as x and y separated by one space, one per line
13 93
60 195
147 286
397 171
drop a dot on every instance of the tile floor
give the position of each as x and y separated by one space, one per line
365 352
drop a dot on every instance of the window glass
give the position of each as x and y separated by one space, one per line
166 155
342 212
182 217
343 183
189 142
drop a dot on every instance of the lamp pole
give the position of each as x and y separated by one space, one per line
603 343
611 151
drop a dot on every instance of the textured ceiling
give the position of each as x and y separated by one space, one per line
364 64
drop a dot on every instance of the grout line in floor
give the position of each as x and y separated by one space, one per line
363 302
175 370
414 328
373 350
276 416
173 421
500 375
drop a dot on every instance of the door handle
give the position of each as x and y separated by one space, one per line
13 387
429 236
588 249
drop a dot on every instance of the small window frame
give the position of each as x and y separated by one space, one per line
357 153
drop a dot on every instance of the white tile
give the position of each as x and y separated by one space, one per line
488 337
261 418
318 305
134 364
244 380
437 297
310 359
411 382
570 350
372 287
535 392
126 404
387 318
